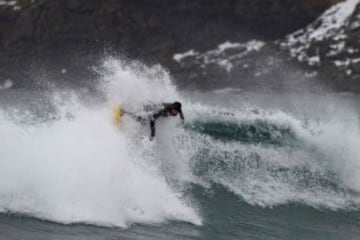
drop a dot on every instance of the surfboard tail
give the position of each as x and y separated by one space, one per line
118 113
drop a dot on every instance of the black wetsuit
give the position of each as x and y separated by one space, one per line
165 111
162 110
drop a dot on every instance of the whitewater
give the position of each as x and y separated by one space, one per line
62 159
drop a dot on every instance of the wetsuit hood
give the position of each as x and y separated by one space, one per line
177 106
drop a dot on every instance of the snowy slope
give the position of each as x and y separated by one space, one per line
332 39
225 56
10 3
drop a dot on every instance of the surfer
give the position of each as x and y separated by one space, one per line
157 111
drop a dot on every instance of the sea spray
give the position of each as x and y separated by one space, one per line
77 167
269 157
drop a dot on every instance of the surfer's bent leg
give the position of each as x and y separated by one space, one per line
137 118
141 120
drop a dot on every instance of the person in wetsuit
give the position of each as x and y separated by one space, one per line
164 110
169 109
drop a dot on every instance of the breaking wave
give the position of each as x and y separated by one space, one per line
62 159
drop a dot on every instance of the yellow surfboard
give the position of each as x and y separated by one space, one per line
117 115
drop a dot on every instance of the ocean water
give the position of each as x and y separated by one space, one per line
244 165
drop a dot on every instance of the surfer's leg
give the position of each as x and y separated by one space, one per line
140 119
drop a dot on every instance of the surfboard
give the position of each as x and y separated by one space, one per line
117 115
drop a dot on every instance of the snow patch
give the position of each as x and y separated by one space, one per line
347 62
224 55
325 26
7 3
6 85
228 90
11 3
178 57
228 45
328 35
333 19
314 60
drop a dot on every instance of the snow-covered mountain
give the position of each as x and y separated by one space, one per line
326 51
333 39
225 55
206 44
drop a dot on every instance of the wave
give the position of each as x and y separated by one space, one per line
271 158
258 131
63 160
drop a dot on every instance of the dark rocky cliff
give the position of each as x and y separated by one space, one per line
73 34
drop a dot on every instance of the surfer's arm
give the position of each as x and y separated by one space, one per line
152 129
153 118
182 117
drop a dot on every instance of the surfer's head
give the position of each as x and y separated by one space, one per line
175 108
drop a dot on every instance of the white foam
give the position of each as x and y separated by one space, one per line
82 169
133 85
327 151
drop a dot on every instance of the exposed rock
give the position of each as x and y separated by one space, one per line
325 53
331 45
47 34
